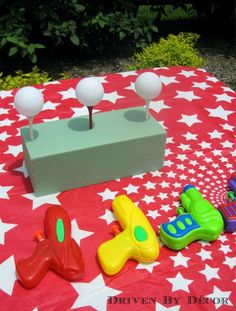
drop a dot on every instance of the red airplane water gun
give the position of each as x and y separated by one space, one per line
56 251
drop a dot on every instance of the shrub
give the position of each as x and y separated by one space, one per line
22 79
176 50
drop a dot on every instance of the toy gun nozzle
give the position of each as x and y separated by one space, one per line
39 236
116 229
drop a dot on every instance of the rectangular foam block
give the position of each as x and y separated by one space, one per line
66 154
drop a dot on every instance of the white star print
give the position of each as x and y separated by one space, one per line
156 174
189 96
215 134
168 80
164 184
109 217
14 150
153 214
148 199
189 119
205 145
225 249
184 147
39 201
224 97
231 262
150 185
128 73
138 176
50 120
201 85
4 227
227 144
190 136
158 105
112 97
4 136
227 127
212 79
78 234
4 94
23 170
4 191
166 208
180 283
210 273
217 293
180 260
147 266
94 294
1 168
51 82
220 112
8 275
3 111
50 105
70 93
83 111
162 195
107 194
160 307
131 189
131 87
6 122
101 79
187 73
204 254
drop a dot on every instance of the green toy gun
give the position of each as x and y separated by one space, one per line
197 220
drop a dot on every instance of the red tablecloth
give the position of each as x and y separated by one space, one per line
198 113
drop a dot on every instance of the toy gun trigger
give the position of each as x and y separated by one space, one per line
180 210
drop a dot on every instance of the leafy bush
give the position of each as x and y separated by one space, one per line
22 79
176 50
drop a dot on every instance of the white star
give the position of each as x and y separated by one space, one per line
78 234
4 192
168 80
165 208
38 201
147 266
215 134
23 170
217 293
131 189
205 145
131 87
1 168
128 73
224 97
107 194
227 127
109 216
210 273
50 120
6 122
156 173
231 262
8 275
227 144
94 294
217 152
171 174
3 111
204 254
220 112
225 249
4 227
51 82
179 282
70 93
162 195
138 176
222 238
181 157
227 89
190 136
148 199
158 105
164 184
201 85
187 73
50 105
189 119
112 97
180 260
169 140
150 185
184 147
83 111
4 94
14 150
212 79
4 136
153 214
101 79
189 96
160 307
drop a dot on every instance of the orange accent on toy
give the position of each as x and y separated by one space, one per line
39 236
116 229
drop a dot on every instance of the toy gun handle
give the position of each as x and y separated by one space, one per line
31 270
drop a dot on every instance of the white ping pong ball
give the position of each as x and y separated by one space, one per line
148 85
89 91
28 101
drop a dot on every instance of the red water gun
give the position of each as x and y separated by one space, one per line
56 251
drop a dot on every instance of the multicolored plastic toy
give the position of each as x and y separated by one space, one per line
198 220
228 210
137 241
56 251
